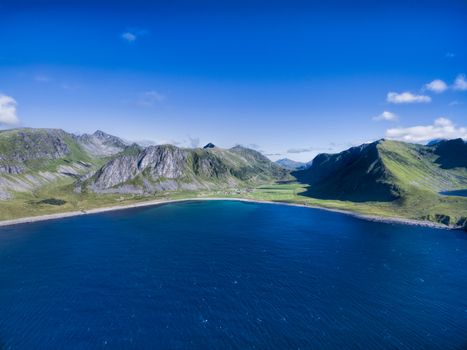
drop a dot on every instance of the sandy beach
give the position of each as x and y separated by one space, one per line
394 220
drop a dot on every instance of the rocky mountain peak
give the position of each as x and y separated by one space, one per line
101 144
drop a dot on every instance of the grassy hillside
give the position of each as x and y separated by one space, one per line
392 177
34 158
358 174
44 171
166 167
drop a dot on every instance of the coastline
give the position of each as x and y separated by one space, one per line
390 220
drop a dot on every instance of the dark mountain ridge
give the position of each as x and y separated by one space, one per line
451 153
357 174
51 167
290 164
385 170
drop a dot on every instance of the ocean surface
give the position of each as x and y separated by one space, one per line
460 193
231 275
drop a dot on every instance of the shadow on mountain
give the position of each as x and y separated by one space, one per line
356 192
357 174
451 153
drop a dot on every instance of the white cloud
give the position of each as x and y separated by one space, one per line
300 150
273 154
128 36
145 143
454 103
193 142
460 83
437 86
149 98
131 34
8 114
253 146
442 128
311 149
42 78
66 86
406 97
388 116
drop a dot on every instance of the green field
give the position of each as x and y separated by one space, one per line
47 171
58 199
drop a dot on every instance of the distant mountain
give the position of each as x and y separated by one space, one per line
101 144
434 142
451 153
290 164
50 170
168 168
32 158
99 162
387 170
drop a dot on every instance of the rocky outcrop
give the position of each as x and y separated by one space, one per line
166 167
31 158
10 169
155 161
26 145
101 144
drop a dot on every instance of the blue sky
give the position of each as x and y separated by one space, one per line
287 78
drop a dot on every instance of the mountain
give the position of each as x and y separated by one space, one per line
169 168
408 177
32 158
290 164
434 142
101 144
451 153
103 163
23 148
387 170
45 171
357 174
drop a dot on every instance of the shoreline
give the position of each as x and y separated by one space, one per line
389 220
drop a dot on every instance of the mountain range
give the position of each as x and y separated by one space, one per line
387 170
102 163
47 170
292 164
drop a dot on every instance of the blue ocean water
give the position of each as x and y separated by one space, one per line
460 193
231 275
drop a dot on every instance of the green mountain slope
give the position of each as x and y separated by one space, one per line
44 171
387 170
435 168
357 174
408 176
33 158
169 168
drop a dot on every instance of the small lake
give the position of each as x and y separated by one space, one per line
231 275
459 193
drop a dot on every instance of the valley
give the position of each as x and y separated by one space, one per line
47 171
